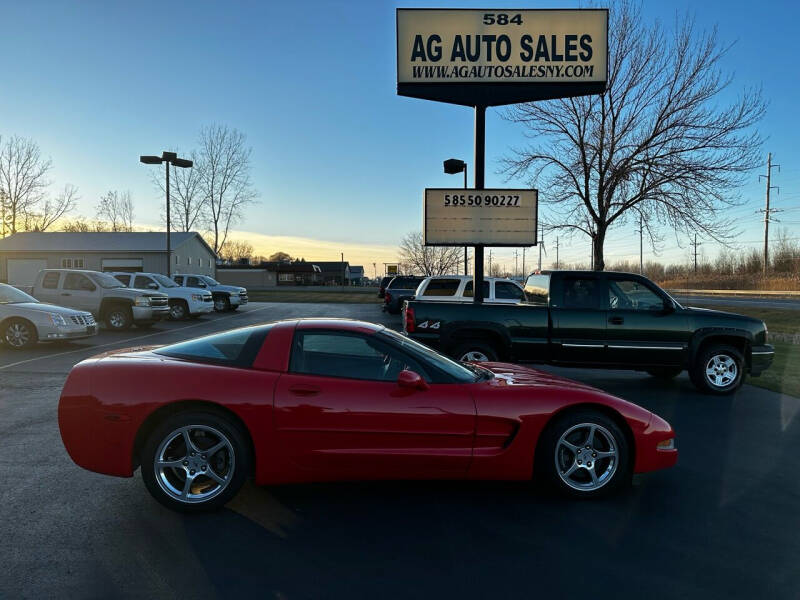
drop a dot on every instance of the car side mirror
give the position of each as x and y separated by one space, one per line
411 380
669 306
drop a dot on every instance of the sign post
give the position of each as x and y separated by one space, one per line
491 57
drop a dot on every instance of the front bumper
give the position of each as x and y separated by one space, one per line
761 359
238 299
201 308
149 313
70 332
649 457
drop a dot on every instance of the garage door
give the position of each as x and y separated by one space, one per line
23 271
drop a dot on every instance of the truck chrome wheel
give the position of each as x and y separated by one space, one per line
474 356
721 371
177 311
586 457
195 463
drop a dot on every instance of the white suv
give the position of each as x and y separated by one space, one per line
458 288
183 302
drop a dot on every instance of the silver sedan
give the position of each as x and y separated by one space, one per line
24 320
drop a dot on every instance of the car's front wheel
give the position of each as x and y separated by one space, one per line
119 317
195 461
178 310
718 369
19 334
222 303
584 454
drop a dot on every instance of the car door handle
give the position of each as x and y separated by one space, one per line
616 320
304 390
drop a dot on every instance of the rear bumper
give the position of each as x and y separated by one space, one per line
761 358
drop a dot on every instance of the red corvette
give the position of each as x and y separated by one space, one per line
327 399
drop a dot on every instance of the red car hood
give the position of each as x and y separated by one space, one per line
508 374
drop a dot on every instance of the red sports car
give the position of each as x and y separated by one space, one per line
328 399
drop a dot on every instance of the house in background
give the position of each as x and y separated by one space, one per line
334 273
356 275
23 255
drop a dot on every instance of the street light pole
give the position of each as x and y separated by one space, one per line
451 167
168 158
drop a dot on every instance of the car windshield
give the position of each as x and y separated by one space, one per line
209 280
105 280
11 295
426 355
165 281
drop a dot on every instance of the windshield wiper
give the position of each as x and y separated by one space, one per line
482 373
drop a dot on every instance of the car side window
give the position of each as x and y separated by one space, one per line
348 355
632 294
468 289
178 279
192 282
124 279
78 281
580 292
505 290
442 287
50 280
141 282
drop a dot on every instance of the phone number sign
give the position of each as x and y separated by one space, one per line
465 217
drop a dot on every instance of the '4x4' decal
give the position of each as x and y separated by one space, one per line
429 325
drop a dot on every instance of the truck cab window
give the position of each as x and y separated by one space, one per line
580 293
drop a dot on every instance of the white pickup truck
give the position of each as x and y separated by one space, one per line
183 302
226 297
458 288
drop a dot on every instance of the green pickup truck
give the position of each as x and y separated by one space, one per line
601 320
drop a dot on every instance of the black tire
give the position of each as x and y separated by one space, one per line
727 356
118 317
616 471
476 348
19 334
178 310
222 303
665 372
212 425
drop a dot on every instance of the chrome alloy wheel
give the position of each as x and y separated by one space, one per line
587 457
721 370
17 335
117 319
177 312
194 463
474 356
219 304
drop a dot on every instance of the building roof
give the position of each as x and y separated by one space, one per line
61 241
354 269
332 266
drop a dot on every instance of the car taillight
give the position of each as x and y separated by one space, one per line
409 320
387 297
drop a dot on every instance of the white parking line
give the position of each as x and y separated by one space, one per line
141 337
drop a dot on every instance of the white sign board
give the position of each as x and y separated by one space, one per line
465 217
539 53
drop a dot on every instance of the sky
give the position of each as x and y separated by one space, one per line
339 160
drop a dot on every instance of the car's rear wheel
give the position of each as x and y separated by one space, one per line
475 351
178 310
585 454
195 461
718 369
19 334
665 372
118 317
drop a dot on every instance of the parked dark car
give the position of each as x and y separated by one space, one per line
400 289
384 282
599 319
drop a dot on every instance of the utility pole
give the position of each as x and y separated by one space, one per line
556 252
490 263
524 274
516 253
541 245
641 244
695 244
767 209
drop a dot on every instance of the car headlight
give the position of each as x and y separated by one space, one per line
141 301
57 319
666 444
197 297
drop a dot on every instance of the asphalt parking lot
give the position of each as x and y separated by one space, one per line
722 523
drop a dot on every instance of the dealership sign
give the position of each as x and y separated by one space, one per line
492 57
460 217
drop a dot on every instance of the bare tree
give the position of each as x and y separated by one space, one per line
659 141
416 257
223 165
51 209
23 179
188 204
116 209
234 250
